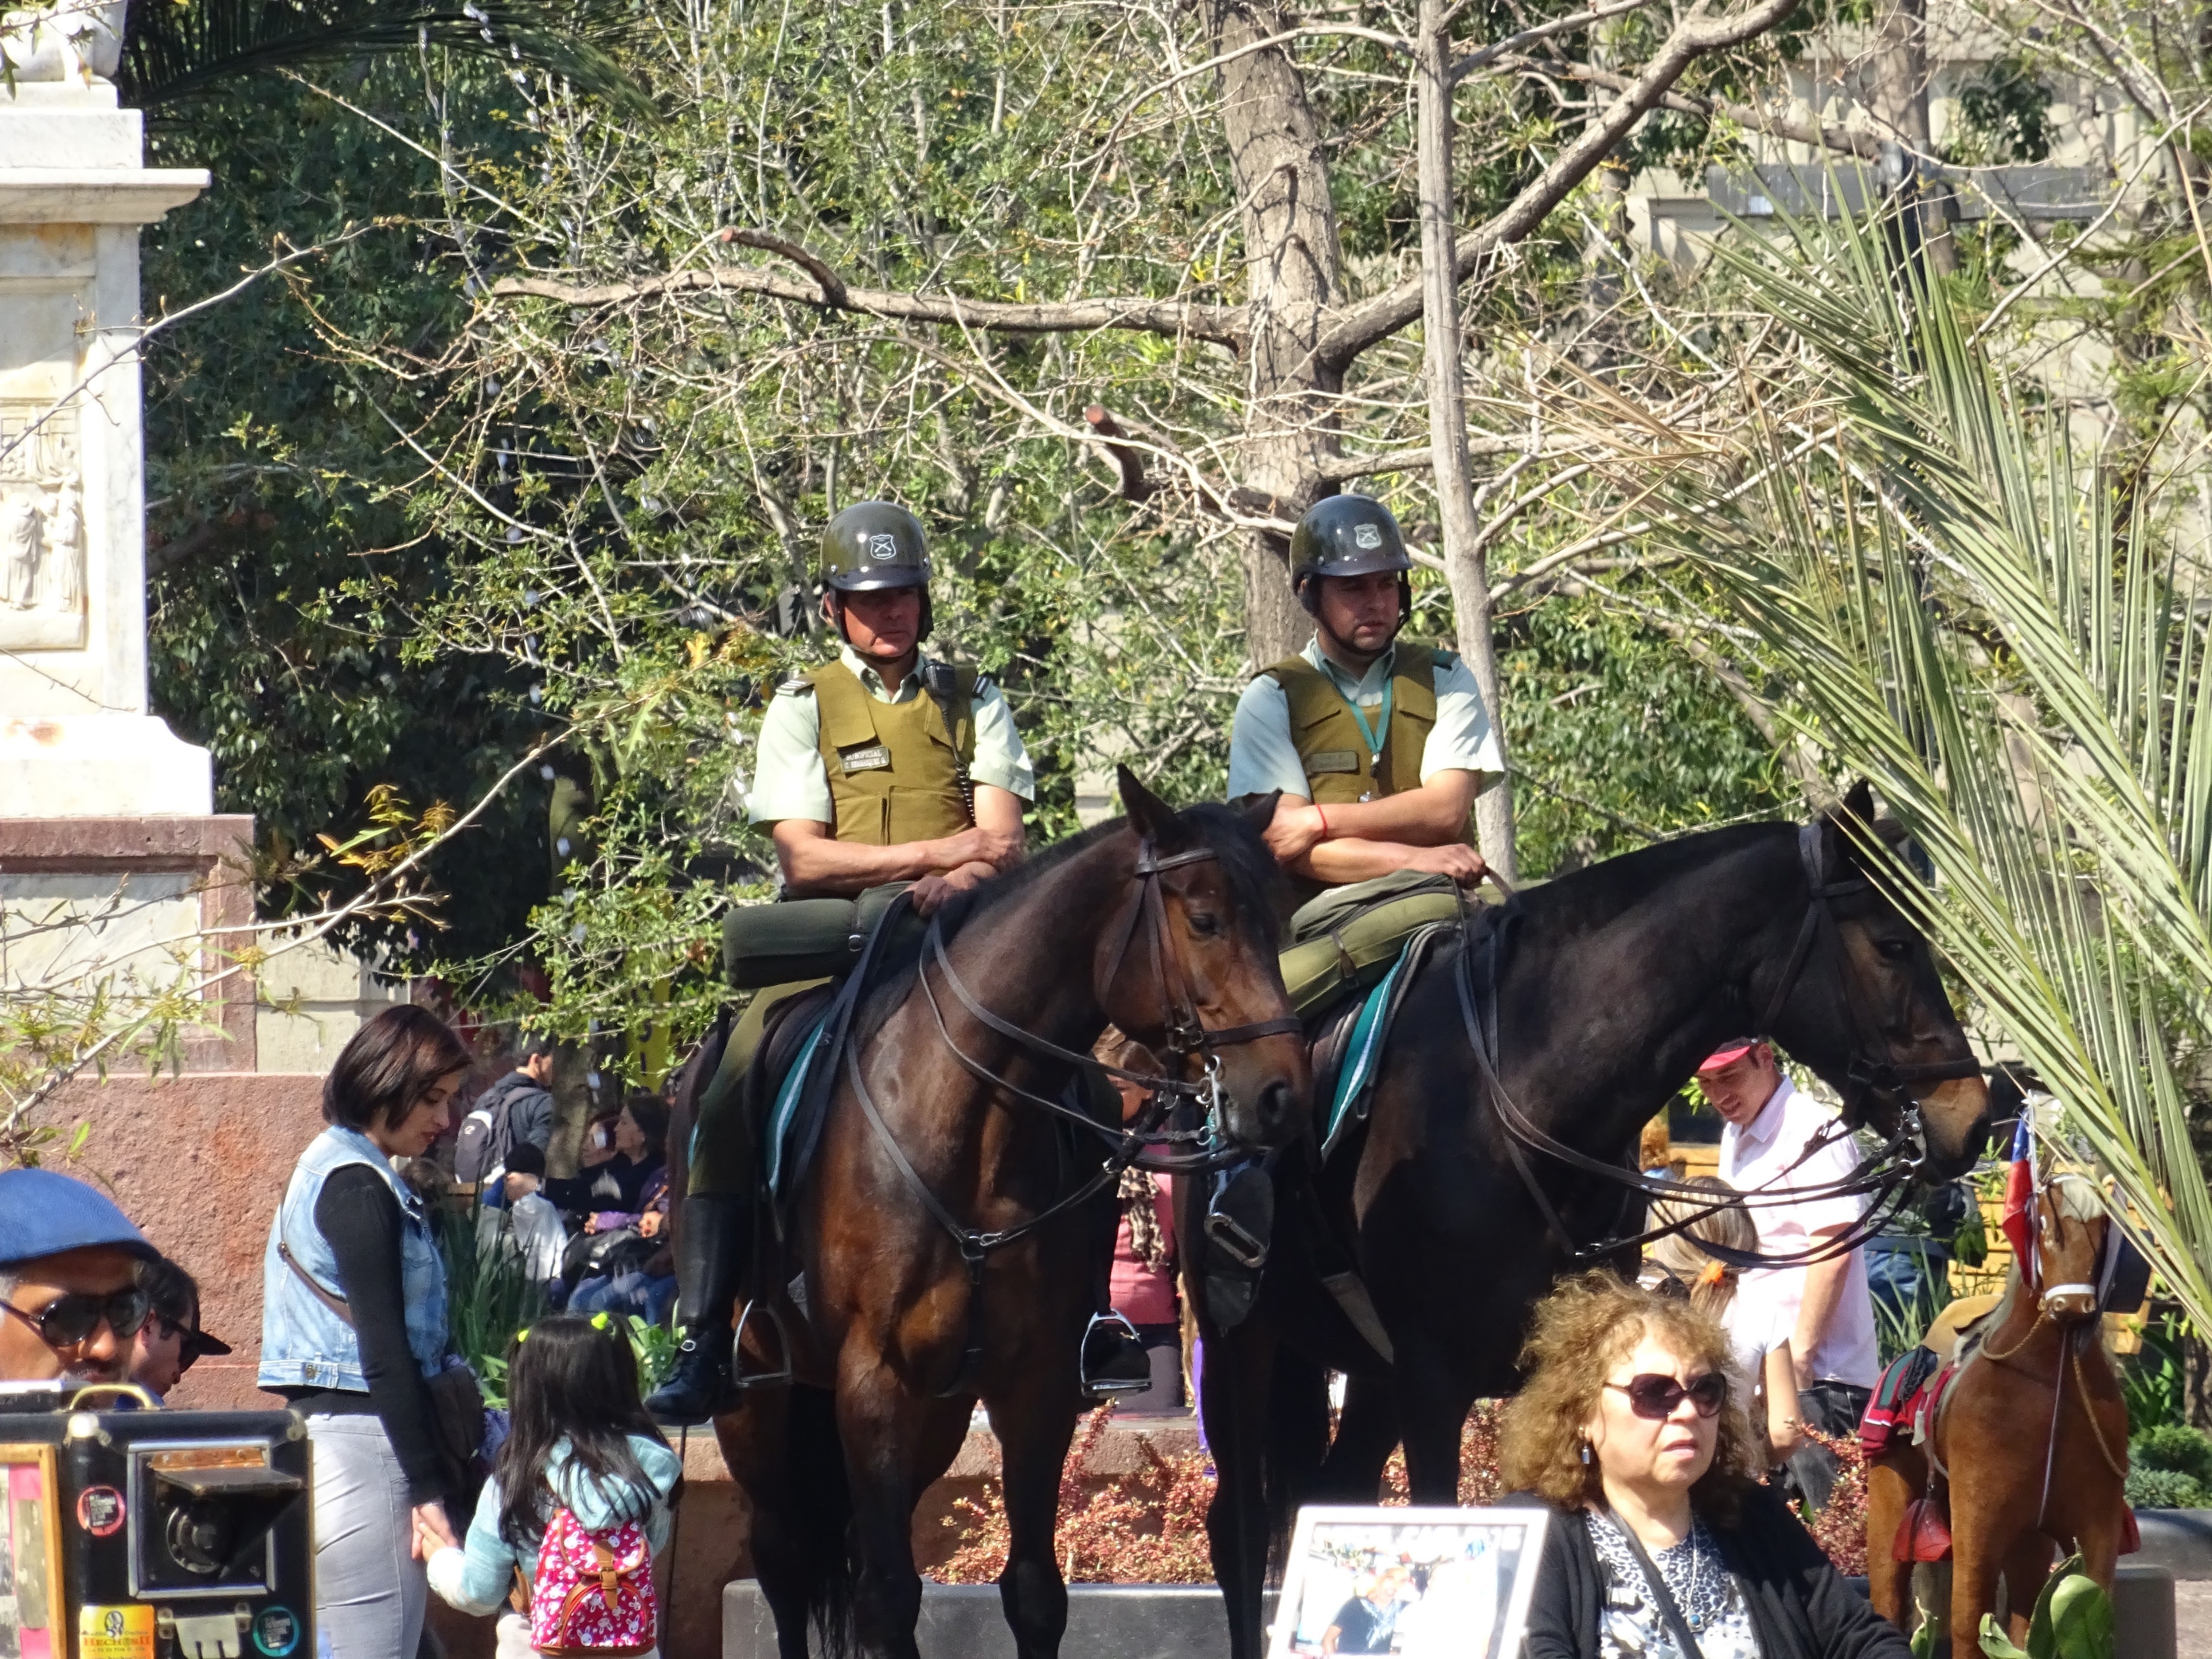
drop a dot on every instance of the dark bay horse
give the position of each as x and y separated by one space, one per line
1165 925
1613 984
2031 1439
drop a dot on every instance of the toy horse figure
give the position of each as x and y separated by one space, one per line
2019 1447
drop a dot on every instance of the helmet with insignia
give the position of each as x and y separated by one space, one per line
875 544
1346 536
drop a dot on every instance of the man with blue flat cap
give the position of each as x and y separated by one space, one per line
69 1296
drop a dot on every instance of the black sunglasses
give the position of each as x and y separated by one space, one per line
71 1318
1652 1396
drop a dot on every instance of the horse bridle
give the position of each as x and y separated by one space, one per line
1864 1079
1188 1037
1878 1175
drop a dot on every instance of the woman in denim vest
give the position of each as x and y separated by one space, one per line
353 1325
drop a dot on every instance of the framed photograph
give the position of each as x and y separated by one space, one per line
30 1555
1416 1582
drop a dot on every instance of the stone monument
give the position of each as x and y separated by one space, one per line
76 739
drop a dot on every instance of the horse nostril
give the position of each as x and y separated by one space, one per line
1277 1101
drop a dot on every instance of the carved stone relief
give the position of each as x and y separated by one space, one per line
42 528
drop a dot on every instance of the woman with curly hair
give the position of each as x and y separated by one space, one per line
1664 1546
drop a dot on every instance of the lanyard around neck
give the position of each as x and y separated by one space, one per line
1375 733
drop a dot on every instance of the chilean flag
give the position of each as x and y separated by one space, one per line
2019 1222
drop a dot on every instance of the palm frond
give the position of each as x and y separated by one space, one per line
2021 666
175 51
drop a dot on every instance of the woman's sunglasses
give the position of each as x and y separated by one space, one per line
71 1318
1652 1396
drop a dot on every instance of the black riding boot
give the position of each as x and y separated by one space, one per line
717 1232
1114 1361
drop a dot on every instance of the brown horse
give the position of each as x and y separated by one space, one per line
942 1236
2030 1439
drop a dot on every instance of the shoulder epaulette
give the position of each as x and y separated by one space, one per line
797 684
984 683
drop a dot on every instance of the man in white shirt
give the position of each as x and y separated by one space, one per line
1825 1306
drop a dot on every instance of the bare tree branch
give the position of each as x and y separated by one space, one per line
1463 67
1823 135
1358 327
1221 325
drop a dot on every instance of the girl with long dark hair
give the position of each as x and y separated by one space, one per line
578 1439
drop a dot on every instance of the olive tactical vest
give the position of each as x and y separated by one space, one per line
894 768
1340 768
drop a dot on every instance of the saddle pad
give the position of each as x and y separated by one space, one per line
1362 1051
783 1115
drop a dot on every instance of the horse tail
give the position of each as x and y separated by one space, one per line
819 1516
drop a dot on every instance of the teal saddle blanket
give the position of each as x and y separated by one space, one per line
1350 1039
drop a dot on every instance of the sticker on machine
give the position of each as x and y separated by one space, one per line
275 1632
124 1633
100 1511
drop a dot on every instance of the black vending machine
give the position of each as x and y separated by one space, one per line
151 1535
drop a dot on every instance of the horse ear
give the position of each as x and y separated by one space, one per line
1259 811
1855 812
1149 815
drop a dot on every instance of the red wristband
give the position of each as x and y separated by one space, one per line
1323 817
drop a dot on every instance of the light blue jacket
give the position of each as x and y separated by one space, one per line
476 1577
303 1344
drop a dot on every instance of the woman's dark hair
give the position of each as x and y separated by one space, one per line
389 1065
650 1114
570 1378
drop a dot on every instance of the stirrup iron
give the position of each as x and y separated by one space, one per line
775 1379
1106 1388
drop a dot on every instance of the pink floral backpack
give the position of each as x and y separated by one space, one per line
593 1595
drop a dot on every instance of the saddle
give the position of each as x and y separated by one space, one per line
1355 953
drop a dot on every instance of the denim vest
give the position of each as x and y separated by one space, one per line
303 1344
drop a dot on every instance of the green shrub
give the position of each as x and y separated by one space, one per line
488 1300
2163 1489
2176 1447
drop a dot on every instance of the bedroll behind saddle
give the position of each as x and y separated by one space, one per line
1348 938
792 939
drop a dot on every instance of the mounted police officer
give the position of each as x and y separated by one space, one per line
883 766
1379 745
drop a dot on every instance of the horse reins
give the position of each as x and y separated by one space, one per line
1877 1174
1188 1037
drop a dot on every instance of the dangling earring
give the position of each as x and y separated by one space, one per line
1586 1452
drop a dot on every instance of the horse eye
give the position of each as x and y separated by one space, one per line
1205 923
1893 949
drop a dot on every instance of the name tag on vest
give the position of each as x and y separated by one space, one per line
873 758
1332 760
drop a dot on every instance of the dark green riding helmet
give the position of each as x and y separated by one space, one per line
875 544
1346 536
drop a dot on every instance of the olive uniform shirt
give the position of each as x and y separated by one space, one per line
789 780
1263 757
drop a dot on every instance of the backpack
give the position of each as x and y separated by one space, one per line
593 1591
487 1132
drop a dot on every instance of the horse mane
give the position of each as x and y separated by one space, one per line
1596 893
1256 887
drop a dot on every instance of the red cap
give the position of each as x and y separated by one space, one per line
1729 1052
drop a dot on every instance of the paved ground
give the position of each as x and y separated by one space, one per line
2192 1618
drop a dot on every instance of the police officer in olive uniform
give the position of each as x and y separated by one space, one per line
1379 745
884 766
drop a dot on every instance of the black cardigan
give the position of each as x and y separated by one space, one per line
1801 1607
